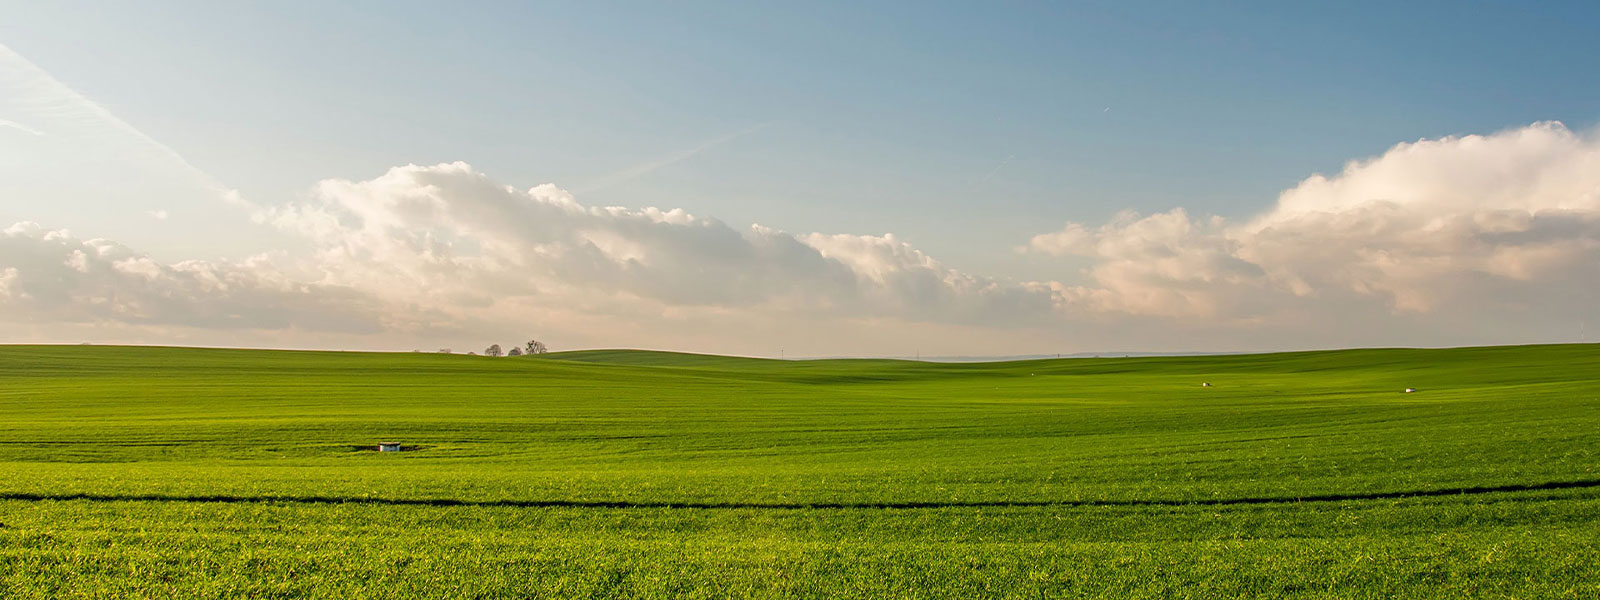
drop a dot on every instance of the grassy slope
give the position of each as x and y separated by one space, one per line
144 467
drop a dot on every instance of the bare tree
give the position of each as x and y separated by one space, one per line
515 351
492 350
536 347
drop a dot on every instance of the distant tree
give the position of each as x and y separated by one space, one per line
536 347
492 350
515 351
470 353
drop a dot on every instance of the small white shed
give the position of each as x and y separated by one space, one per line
1410 390
388 446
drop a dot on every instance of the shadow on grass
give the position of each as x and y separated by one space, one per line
227 499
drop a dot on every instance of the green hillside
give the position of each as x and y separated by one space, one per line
174 472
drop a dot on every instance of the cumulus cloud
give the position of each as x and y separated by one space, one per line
444 251
448 235
1477 223
1473 239
51 276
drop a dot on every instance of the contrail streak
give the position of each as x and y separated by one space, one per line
997 168
20 127
642 169
39 92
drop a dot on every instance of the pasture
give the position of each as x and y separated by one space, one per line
144 472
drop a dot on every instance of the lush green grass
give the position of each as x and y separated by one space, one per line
150 472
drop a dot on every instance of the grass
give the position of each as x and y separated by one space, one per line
162 472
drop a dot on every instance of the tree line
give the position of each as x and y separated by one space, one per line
532 347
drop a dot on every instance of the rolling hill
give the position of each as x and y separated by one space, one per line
152 472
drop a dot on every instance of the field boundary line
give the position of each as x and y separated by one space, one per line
623 504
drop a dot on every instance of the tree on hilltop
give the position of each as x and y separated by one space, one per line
537 347
515 351
492 350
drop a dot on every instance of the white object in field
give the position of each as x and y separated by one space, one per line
388 446
1205 384
1409 390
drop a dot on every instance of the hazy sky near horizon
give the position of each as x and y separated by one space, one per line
816 179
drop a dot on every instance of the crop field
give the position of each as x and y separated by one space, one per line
142 472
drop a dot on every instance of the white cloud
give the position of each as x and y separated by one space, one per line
443 250
51 276
1471 225
447 235
1475 239
8 278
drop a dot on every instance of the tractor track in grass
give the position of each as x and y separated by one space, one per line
622 504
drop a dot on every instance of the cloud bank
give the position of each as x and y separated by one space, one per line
52 276
1472 239
1474 225
447 235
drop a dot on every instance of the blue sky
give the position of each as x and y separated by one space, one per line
963 129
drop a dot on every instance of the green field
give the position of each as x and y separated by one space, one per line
163 472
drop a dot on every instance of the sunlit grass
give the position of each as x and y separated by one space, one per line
139 472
